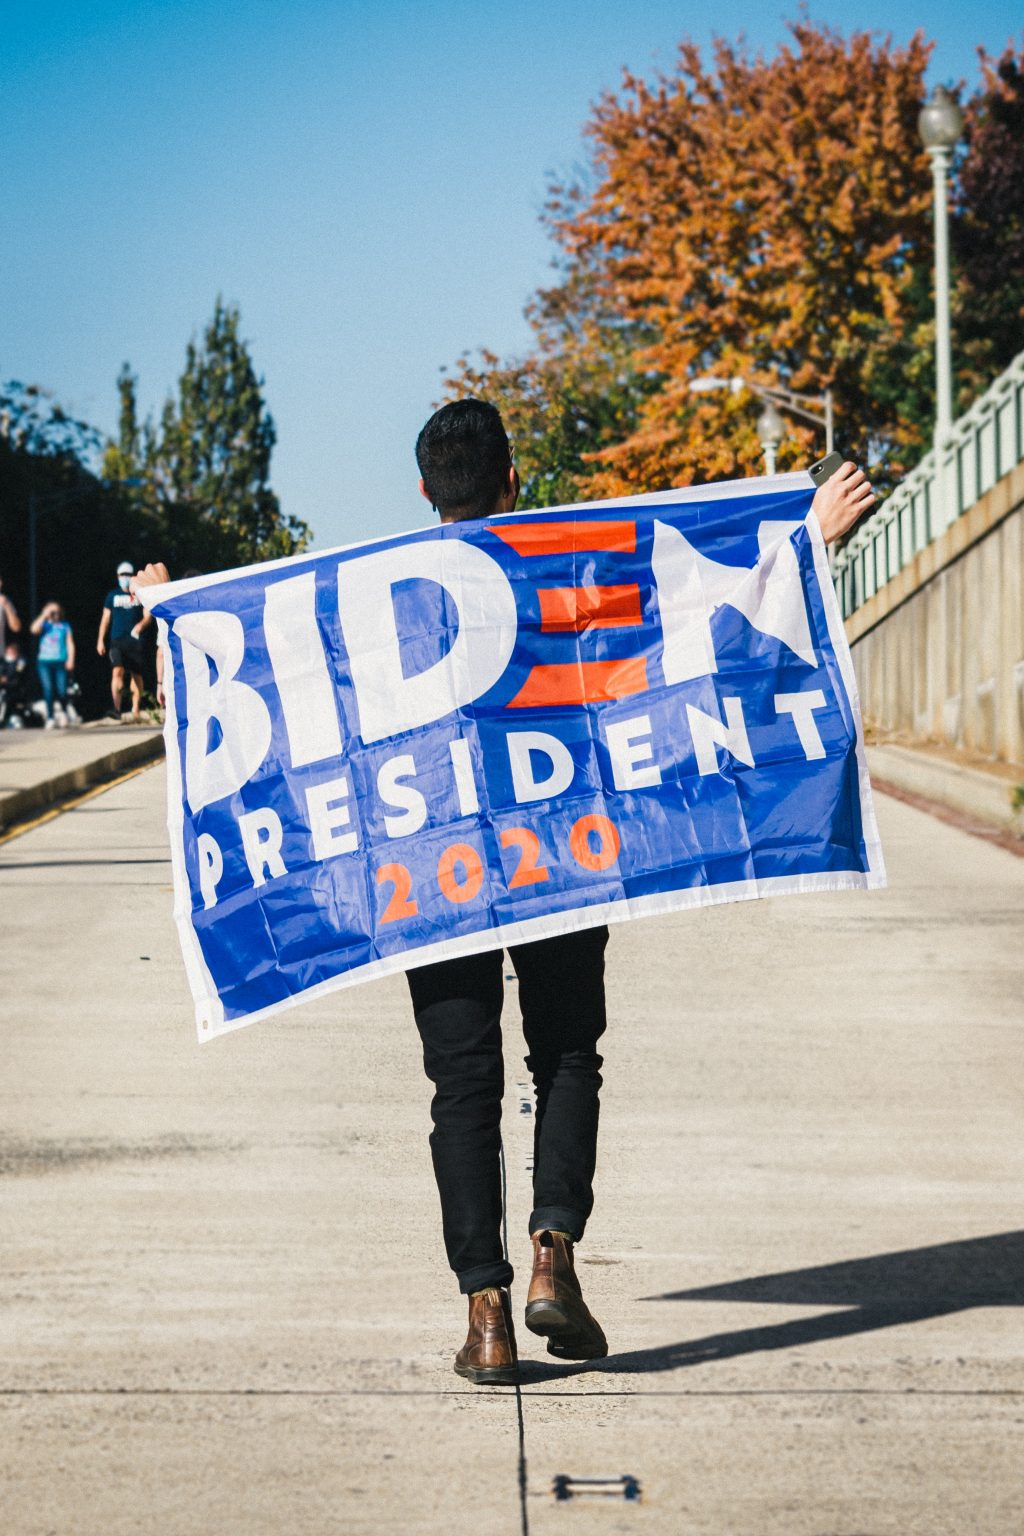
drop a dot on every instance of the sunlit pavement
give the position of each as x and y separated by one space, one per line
224 1301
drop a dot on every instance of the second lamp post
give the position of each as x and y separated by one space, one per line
940 125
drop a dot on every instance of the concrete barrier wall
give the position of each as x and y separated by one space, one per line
939 650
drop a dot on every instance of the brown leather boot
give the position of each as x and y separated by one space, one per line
554 1304
488 1356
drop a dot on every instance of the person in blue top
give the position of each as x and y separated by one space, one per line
55 659
121 625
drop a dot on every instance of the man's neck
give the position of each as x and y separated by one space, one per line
503 505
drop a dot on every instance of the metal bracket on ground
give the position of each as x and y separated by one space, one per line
625 1486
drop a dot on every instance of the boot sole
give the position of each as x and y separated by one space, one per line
489 1376
552 1321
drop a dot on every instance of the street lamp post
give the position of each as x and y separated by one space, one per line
940 125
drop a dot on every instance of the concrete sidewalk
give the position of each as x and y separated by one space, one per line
40 768
224 1309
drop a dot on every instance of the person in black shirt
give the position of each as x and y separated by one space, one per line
465 459
121 625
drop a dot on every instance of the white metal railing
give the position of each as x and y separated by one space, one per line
983 446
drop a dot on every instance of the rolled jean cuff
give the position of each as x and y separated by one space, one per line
558 1218
485 1277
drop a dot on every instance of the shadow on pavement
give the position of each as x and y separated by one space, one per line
880 1292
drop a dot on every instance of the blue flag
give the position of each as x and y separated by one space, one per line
490 732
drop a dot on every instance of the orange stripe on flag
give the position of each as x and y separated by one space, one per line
582 682
575 608
565 538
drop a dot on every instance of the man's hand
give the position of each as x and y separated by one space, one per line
841 501
101 649
150 576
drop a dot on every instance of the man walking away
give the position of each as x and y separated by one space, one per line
465 460
467 471
121 625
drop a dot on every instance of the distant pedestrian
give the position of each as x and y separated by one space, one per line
146 578
55 661
15 707
121 626
9 620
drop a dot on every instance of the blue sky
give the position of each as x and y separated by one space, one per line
364 180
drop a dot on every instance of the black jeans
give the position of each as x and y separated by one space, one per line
458 1014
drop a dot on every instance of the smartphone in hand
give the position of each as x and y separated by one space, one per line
825 468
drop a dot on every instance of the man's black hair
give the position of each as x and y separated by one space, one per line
464 455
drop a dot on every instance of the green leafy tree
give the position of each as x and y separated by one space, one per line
32 421
205 469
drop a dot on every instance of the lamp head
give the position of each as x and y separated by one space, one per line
941 121
771 428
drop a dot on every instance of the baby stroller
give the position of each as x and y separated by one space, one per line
15 706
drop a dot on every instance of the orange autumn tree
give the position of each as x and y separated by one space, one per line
759 217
